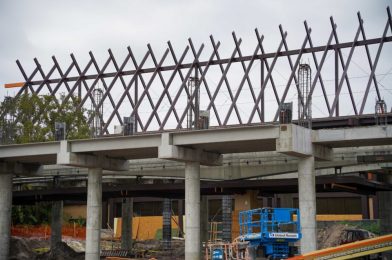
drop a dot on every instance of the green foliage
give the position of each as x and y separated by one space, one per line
35 117
34 120
80 221
31 215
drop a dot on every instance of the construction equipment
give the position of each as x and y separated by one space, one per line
271 232
353 235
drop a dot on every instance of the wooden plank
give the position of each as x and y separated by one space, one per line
14 85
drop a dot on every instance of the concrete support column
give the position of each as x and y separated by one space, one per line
56 223
167 227
94 213
180 218
126 224
307 203
192 211
5 214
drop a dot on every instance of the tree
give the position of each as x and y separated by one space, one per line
32 118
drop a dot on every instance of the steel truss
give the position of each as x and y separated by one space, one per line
141 96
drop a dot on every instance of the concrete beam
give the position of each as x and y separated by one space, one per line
226 135
116 143
169 151
18 168
66 157
354 136
297 141
21 150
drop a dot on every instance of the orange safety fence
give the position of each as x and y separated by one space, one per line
43 231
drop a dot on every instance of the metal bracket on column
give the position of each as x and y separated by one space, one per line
66 157
179 153
296 141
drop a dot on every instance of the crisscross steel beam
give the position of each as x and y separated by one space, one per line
169 92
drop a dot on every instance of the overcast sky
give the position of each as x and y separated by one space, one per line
42 28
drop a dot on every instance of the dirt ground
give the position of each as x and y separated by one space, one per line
35 249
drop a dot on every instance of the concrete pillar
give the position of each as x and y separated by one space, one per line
5 214
166 227
105 214
204 235
307 203
94 214
56 223
180 218
126 224
192 211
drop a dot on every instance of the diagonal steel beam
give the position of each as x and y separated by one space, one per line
267 66
289 58
224 78
292 75
45 77
204 81
124 84
78 81
146 93
375 63
88 89
183 84
162 79
116 76
266 79
192 97
244 69
27 79
344 75
369 58
166 89
238 92
344 66
62 75
179 70
100 71
126 90
318 69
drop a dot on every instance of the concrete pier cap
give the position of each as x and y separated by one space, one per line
169 151
296 141
65 156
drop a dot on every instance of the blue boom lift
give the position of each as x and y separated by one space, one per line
271 232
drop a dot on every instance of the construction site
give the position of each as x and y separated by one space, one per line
197 153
